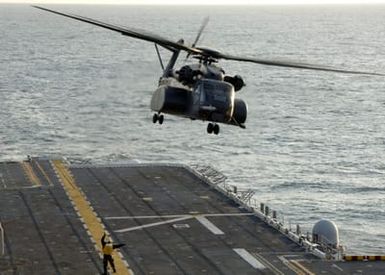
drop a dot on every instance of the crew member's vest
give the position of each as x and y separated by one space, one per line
107 249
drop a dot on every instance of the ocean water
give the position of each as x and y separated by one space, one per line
314 144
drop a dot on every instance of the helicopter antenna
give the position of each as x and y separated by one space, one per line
201 29
159 56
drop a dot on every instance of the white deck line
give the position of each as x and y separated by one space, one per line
145 217
152 224
2 180
228 214
339 268
249 258
177 216
209 225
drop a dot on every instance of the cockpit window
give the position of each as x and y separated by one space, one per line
215 86
216 90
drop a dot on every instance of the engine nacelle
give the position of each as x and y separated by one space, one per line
240 111
236 81
186 75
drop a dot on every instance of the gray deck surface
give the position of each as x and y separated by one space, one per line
171 222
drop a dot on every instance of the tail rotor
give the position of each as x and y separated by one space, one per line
201 29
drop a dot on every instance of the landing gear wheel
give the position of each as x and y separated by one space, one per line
210 128
216 129
160 119
155 118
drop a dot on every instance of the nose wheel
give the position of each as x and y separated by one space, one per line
157 118
213 128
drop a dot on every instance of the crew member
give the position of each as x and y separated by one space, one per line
108 247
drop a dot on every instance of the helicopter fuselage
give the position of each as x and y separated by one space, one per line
206 99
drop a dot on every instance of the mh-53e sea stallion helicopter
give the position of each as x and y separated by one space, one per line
202 90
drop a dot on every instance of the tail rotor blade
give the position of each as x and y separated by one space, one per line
201 29
203 26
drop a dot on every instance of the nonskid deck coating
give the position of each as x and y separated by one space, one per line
171 221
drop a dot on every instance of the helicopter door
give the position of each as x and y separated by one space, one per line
215 100
198 95
200 108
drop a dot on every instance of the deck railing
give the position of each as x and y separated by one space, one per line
269 216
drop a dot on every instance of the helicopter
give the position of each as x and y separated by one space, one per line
199 91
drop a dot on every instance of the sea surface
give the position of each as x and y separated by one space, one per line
315 141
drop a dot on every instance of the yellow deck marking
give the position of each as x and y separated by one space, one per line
94 224
302 269
294 268
44 173
30 174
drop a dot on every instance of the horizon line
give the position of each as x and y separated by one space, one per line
200 4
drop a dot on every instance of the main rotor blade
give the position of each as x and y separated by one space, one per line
290 64
203 26
139 34
173 46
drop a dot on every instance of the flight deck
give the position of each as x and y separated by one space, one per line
173 221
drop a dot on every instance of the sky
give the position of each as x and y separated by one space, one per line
199 2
